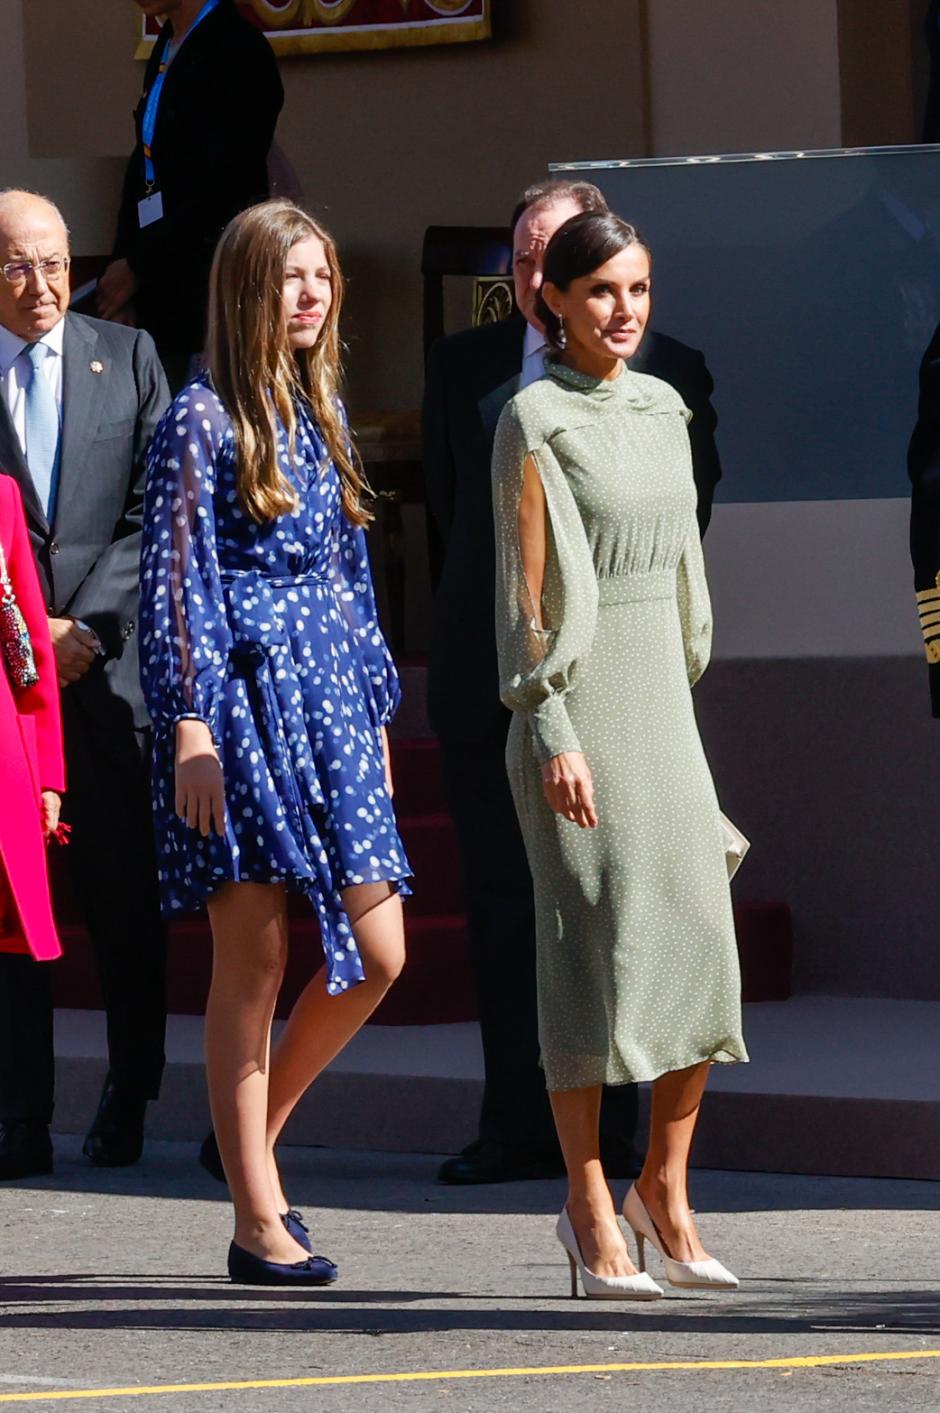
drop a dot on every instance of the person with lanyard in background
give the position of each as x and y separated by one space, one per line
205 126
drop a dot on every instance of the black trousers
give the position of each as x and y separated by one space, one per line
501 918
111 854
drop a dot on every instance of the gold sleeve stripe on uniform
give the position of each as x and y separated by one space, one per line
924 594
928 620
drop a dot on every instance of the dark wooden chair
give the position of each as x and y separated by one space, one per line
481 252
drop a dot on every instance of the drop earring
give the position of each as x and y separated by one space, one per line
562 336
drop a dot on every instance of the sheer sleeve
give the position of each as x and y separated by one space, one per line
352 583
537 663
695 608
185 635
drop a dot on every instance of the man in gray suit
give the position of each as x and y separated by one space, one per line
79 400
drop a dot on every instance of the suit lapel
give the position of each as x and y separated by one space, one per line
504 373
82 392
13 462
492 404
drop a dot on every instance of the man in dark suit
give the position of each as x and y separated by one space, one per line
80 399
470 378
923 465
205 125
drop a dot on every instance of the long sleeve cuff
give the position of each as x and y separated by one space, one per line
552 730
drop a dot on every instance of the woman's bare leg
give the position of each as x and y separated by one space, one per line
249 952
663 1183
321 1025
590 1205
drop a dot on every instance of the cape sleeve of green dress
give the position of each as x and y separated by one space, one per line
539 652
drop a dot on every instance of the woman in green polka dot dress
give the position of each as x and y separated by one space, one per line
603 623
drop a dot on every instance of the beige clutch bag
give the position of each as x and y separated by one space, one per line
736 845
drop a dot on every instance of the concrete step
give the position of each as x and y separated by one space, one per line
836 1087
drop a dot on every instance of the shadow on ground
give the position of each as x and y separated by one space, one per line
190 1303
325 1178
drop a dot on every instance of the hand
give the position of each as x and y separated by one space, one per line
387 754
200 790
569 789
75 649
51 807
116 289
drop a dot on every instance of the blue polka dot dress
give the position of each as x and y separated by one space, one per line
268 633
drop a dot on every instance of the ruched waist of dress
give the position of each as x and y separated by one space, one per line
250 577
255 613
636 587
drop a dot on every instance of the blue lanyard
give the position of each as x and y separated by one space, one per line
152 107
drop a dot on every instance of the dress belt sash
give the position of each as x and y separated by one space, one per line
636 588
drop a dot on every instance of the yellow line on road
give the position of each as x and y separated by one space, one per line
810 1361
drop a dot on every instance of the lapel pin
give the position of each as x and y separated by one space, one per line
96 367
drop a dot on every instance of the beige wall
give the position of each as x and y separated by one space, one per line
384 144
882 63
387 143
81 79
13 142
743 75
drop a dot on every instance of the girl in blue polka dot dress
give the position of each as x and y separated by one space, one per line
270 689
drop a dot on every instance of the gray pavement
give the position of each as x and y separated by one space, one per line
117 1280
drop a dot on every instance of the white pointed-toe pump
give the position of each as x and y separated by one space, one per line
638 1287
689 1275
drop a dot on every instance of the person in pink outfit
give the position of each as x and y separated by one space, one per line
31 757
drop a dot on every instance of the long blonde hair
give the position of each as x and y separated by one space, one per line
255 371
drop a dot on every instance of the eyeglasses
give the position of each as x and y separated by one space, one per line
19 271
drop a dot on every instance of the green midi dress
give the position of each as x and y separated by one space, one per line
637 963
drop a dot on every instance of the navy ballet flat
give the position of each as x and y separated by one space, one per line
246 1269
296 1227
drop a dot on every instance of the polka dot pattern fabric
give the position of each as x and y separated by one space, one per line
269 634
637 963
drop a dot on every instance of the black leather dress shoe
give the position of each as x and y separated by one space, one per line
116 1138
497 1162
25 1150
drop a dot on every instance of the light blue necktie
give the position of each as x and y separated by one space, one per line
42 428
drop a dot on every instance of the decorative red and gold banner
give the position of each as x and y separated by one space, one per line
311 26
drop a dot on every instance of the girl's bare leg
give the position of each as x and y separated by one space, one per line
249 951
321 1025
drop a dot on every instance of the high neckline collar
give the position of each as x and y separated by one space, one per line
584 382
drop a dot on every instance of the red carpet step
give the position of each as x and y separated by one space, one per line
437 985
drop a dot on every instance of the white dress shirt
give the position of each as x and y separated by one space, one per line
14 376
534 350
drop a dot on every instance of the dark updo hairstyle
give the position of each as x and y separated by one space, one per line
580 246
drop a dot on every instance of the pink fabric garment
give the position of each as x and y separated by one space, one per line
31 755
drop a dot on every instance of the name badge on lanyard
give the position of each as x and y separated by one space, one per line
150 208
